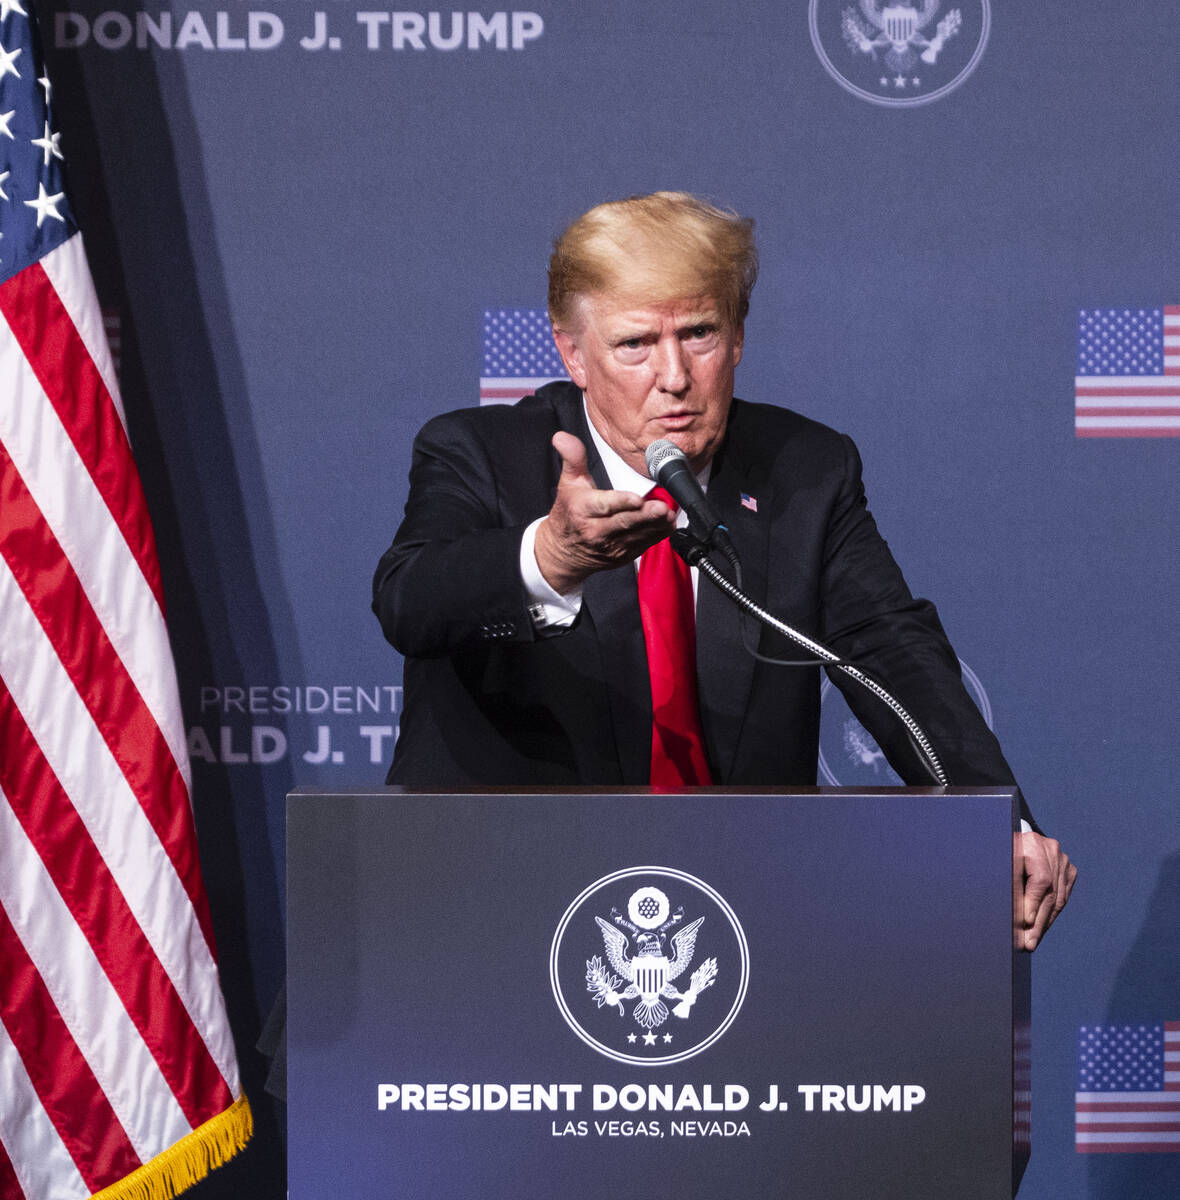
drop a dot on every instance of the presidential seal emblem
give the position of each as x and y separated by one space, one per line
899 54
649 965
849 754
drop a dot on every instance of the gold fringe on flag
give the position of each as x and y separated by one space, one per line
189 1160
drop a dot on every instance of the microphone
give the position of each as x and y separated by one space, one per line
668 465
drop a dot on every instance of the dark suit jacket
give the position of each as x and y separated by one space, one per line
489 700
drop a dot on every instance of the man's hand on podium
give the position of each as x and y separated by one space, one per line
1042 879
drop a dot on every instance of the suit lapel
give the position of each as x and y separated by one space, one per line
725 668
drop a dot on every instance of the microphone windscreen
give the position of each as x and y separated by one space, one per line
659 453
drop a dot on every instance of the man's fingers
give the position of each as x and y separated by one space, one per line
1040 872
1039 894
1040 922
1036 891
1063 888
573 457
647 512
592 529
1048 877
620 523
604 503
583 500
1046 914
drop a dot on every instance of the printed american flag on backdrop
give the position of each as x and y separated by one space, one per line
117 1068
1128 372
518 354
1022 1087
1128 1097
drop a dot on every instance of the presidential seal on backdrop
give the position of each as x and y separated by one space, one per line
899 54
649 965
849 755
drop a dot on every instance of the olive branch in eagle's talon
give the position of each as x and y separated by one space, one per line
602 985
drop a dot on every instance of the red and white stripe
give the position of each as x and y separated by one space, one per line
496 390
1172 339
113 1032
1134 405
1022 1087
1134 1122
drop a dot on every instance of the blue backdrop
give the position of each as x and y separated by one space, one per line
298 217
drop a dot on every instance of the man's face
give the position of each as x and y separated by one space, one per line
649 371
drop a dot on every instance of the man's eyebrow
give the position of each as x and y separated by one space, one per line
627 331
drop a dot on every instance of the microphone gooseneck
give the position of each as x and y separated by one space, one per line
668 465
694 554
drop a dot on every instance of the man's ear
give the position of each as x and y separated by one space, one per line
739 340
571 354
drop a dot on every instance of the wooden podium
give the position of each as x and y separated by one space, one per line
717 994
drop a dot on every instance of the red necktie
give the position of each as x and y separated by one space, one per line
669 629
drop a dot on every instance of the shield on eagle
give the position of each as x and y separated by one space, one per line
651 975
900 23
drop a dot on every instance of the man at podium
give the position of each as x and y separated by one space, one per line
551 636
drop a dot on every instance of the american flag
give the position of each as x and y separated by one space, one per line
518 354
116 1058
1128 1098
1128 372
1022 1087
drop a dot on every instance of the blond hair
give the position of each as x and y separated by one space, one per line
647 249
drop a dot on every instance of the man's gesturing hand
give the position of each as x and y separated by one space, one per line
589 529
1042 878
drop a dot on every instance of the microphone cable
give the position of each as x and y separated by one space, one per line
695 554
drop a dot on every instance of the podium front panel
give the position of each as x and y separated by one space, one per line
589 995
